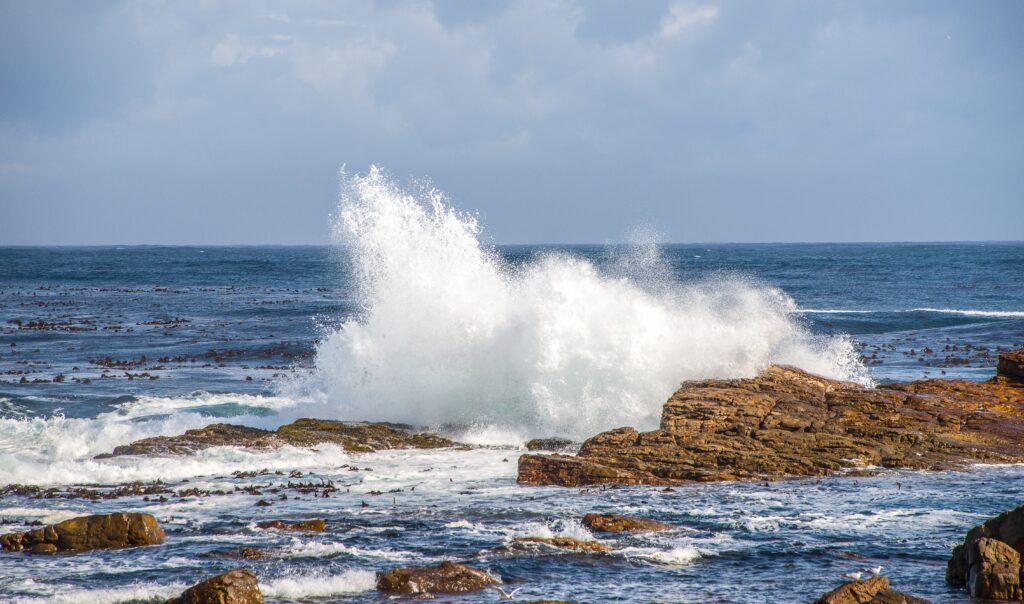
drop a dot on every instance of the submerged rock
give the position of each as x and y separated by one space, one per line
787 422
352 436
566 543
875 590
988 563
241 553
101 531
447 578
234 587
614 523
316 525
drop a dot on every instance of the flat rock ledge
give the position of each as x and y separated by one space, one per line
446 578
875 590
238 586
787 422
616 523
364 437
101 531
988 563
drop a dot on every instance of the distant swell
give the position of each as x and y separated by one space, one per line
450 333
945 311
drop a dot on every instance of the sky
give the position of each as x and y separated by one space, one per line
226 122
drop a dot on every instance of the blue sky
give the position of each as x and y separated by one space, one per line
226 122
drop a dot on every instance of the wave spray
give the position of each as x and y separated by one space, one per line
451 333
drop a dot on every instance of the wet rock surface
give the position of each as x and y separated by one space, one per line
548 444
615 523
315 525
787 422
352 436
875 590
564 543
446 578
988 563
234 587
101 531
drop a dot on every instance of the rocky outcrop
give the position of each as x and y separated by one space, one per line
787 422
875 590
316 525
1011 364
565 543
235 587
548 444
614 523
447 578
352 436
101 531
988 563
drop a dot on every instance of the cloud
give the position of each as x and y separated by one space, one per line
234 50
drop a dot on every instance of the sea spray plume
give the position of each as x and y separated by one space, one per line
449 333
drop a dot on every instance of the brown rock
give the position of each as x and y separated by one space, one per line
988 563
614 523
875 590
101 531
352 436
787 422
1011 365
548 444
241 553
448 578
566 543
235 587
316 525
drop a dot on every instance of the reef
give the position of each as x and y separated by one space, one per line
352 436
787 422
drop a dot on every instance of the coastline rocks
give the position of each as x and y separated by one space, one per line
101 531
787 422
359 437
564 543
548 444
615 523
988 563
1011 365
234 587
447 578
875 590
316 525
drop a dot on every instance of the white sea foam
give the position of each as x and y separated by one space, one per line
450 333
134 593
677 556
318 585
973 313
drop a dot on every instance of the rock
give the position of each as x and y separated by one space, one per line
241 553
352 436
1011 365
875 590
316 525
448 578
548 444
787 422
101 531
988 563
566 543
614 523
235 587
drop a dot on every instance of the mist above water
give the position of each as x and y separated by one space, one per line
450 333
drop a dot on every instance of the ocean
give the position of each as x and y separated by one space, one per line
414 318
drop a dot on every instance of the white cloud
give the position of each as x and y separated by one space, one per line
235 50
681 17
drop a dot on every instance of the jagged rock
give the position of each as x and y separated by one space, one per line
548 444
352 436
235 587
988 563
1011 365
316 525
447 578
614 523
101 531
566 543
787 422
875 590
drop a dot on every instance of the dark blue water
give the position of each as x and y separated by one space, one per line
99 346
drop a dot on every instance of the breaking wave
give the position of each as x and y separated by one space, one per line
453 333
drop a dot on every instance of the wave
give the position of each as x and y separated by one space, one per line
320 585
945 311
452 333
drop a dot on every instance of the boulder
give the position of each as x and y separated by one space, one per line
352 436
787 422
235 587
988 562
615 523
447 578
316 525
101 531
566 543
548 444
875 590
1011 365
